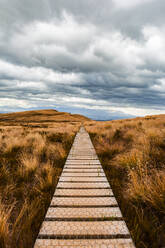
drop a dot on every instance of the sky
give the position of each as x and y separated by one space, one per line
104 59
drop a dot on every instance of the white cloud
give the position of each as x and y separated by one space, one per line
66 45
160 86
56 38
129 3
8 102
138 111
117 50
36 74
154 44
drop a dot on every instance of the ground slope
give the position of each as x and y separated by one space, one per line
39 116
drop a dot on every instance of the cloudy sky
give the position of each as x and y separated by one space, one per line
105 59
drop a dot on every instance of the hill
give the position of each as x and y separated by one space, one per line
38 117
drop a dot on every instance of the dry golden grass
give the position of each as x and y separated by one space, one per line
4 225
31 160
38 118
132 152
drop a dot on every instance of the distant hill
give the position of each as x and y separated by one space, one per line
40 116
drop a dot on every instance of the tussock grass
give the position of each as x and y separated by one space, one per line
132 152
4 225
31 160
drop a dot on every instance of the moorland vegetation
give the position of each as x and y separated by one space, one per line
132 153
33 149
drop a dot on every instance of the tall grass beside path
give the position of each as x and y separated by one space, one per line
132 153
31 160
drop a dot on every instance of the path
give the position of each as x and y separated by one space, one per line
83 211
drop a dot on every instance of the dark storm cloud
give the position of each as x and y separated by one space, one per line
88 55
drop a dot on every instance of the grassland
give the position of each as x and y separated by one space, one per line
33 149
37 117
132 153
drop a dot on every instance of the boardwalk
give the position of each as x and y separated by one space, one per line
83 211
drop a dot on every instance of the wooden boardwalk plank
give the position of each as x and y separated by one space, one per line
83 211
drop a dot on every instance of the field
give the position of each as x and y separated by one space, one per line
132 153
33 149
